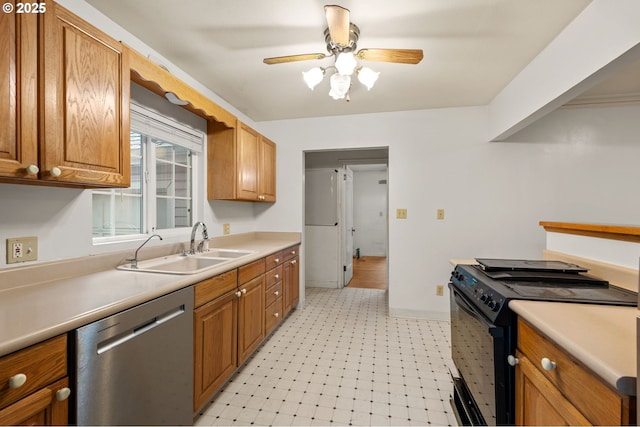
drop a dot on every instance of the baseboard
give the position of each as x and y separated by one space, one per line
315 284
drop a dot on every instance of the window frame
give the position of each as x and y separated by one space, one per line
145 122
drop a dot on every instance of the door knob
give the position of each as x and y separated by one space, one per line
548 365
63 394
55 171
17 381
32 170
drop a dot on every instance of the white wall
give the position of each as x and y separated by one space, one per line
370 212
575 165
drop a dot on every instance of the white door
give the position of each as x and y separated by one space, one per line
347 229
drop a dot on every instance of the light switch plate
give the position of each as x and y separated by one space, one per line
226 229
22 249
401 213
440 214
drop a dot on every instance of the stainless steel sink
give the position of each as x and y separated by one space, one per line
176 264
225 253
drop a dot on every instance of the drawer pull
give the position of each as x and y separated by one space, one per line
276 293
238 294
55 171
244 291
277 276
275 315
277 260
512 361
547 364
17 381
63 394
293 262
293 252
32 170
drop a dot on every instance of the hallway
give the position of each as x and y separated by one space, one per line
342 361
369 272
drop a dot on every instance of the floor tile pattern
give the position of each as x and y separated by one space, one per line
342 361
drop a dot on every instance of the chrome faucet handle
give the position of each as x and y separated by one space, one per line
134 262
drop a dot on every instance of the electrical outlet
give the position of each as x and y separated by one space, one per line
440 214
401 213
440 290
226 229
22 249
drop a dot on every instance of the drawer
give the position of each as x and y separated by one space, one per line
274 275
275 259
273 315
249 271
600 403
291 252
273 293
41 363
210 289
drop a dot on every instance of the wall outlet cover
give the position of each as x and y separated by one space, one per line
22 249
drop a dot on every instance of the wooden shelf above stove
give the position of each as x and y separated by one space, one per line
627 233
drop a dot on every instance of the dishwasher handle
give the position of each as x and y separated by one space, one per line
130 334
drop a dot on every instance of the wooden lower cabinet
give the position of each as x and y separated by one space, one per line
39 408
291 284
215 345
34 385
250 317
568 393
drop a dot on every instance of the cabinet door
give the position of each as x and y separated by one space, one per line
42 407
85 116
18 94
250 317
247 152
538 402
291 284
215 346
267 170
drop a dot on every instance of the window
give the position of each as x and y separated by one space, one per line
162 195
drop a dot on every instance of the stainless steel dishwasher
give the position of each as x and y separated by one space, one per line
136 367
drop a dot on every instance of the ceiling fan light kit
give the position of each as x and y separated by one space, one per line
341 37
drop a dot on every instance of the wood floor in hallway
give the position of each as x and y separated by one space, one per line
369 272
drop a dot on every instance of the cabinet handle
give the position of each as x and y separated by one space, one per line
277 260
275 315
244 291
293 262
293 252
17 381
276 293
547 364
32 170
277 276
513 361
63 394
55 171
238 294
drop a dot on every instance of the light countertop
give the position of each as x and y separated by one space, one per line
603 338
33 310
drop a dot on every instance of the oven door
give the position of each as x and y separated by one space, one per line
479 349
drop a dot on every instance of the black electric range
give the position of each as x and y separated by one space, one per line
483 328
493 282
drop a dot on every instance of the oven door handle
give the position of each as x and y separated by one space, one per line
471 311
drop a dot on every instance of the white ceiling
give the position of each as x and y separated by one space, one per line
472 48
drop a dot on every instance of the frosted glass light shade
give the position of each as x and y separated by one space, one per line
346 63
340 85
313 77
368 77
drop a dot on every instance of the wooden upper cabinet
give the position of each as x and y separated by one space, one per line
85 103
241 164
267 170
19 95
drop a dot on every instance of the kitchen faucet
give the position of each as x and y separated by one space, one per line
134 260
205 238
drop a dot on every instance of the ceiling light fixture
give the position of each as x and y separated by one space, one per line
345 65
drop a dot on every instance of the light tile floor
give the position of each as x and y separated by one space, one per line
342 361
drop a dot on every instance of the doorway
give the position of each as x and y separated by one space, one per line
360 237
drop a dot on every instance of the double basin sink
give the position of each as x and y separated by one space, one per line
187 264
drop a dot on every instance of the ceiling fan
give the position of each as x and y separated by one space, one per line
341 37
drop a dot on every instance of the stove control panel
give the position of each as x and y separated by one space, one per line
483 296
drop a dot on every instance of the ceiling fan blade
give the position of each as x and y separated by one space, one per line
402 56
293 58
338 23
